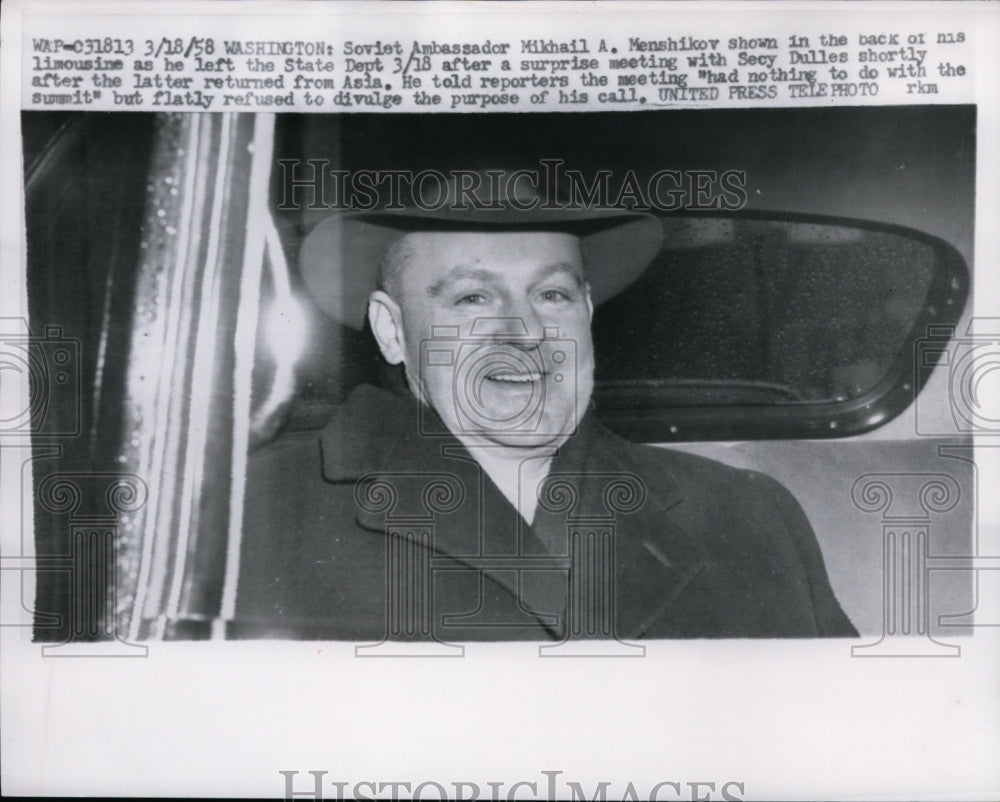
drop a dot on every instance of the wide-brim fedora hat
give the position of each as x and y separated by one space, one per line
340 257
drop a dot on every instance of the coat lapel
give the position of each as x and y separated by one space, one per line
404 476
655 556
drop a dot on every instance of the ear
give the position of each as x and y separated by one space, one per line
387 325
590 303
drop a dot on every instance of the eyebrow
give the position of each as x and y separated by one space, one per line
561 267
461 273
457 274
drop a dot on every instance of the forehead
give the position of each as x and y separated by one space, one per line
516 254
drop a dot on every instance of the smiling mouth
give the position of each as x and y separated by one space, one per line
515 378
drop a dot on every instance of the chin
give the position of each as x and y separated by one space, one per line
541 436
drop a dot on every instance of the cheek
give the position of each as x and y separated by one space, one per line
416 327
581 335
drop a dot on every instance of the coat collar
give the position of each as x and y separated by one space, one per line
379 435
374 430
656 557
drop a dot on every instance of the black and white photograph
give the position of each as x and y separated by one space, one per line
694 391
439 400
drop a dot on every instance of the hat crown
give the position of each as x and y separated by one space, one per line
339 258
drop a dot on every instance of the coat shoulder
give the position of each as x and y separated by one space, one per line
693 475
284 481
293 457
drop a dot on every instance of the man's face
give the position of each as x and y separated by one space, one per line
494 331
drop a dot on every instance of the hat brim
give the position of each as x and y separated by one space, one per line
339 259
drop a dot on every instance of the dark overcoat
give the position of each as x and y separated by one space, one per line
384 527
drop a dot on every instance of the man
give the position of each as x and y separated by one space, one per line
483 501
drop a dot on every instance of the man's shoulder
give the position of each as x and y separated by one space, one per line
708 485
362 427
674 459
682 467
282 475
289 448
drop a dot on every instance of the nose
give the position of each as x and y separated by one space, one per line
519 327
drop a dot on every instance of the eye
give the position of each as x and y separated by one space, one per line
554 296
471 299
